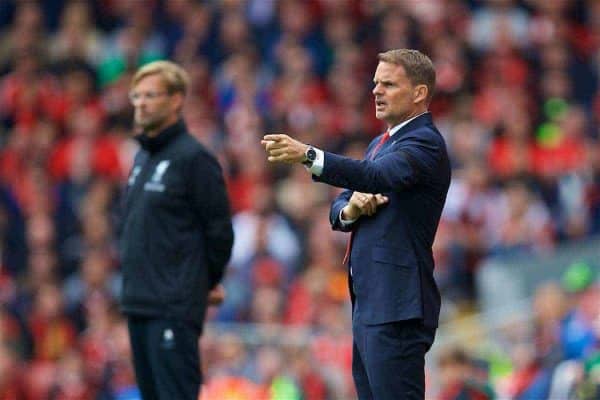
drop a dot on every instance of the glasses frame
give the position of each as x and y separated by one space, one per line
136 97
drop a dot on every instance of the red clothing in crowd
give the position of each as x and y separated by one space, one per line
99 155
51 338
568 155
507 157
26 102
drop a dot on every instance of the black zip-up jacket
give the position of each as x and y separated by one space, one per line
176 234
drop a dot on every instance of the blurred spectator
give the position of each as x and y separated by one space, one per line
522 220
70 381
264 231
501 22
85 151
77 36
550 306
53 333
96 278
458 380
132 45
118 379
579 334
511 153
590 387
11 386
25 33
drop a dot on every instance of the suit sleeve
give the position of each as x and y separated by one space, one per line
412 161
336 207
210 198
341 200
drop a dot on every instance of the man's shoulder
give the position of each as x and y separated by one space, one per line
427 132
140 155
188 146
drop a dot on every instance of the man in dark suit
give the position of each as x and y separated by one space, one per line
392 205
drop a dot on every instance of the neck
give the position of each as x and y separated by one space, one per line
410 115
153 132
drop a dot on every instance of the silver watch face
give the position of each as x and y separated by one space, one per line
311 154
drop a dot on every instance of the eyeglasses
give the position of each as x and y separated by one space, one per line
136 97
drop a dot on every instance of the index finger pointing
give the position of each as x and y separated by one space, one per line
273 137
381 199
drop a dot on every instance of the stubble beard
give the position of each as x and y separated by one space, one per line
149 123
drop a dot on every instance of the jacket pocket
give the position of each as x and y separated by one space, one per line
394 255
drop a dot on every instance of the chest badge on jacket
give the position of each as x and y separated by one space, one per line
155 184
134 173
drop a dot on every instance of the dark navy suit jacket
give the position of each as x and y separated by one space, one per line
391 257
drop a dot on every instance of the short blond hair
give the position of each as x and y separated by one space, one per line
418 67
174 77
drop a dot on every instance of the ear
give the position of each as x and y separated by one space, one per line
177 101
420 93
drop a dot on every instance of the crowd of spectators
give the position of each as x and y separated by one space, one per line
551 354
517 101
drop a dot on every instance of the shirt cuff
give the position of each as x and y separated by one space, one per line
317 166
346 222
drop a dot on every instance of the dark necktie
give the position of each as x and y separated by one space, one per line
377 147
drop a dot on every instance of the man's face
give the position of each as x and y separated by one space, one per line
155 108
394 94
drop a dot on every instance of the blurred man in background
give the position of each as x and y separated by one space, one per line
176 238
392 206
459 377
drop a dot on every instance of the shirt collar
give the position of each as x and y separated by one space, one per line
403 123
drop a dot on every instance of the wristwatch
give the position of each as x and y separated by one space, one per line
311 156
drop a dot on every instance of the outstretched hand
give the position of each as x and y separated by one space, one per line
282 148
363 204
